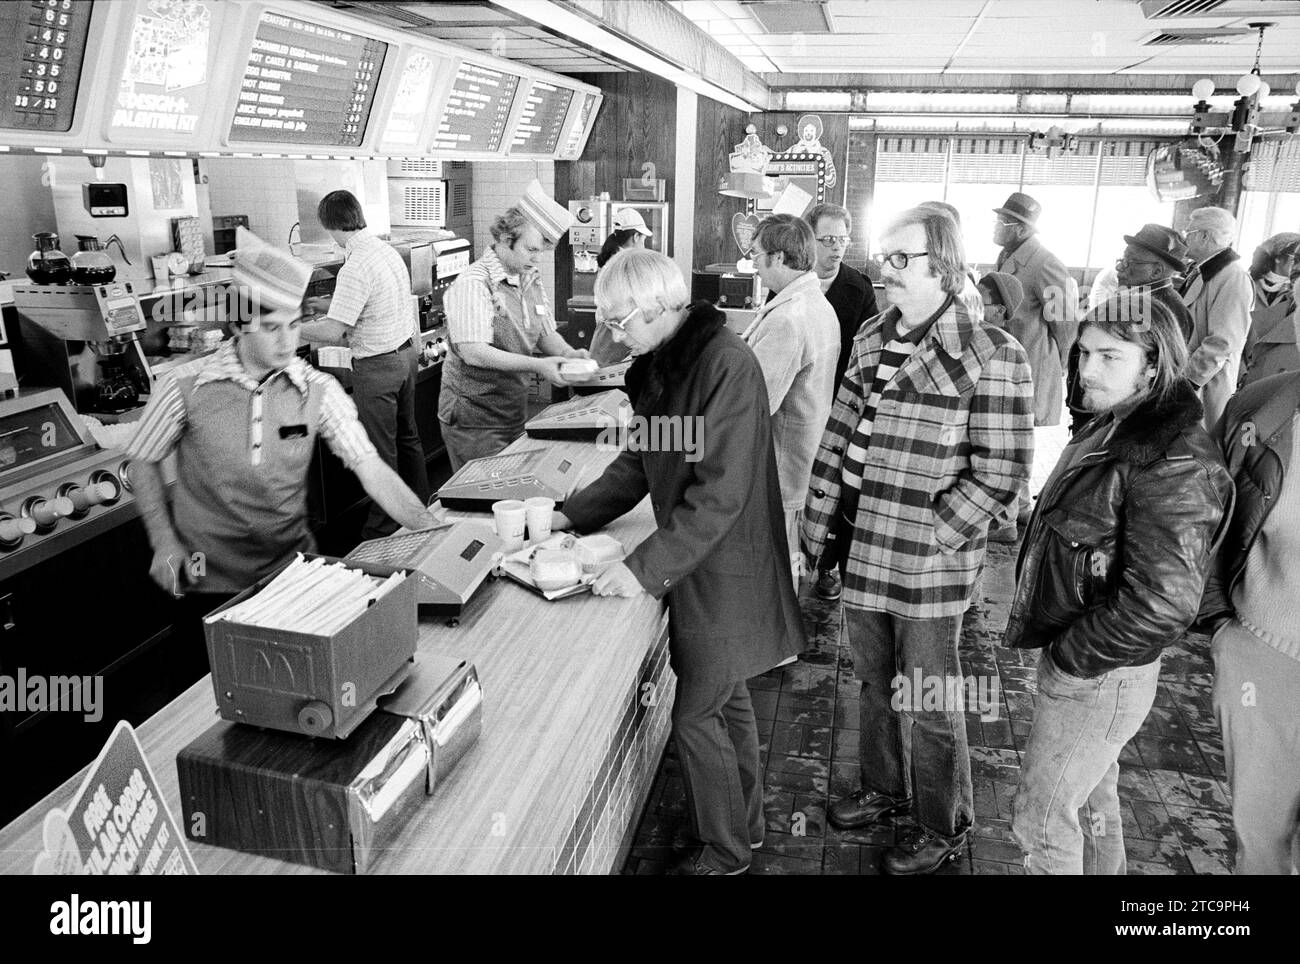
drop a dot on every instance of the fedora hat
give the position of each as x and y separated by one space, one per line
1161 241
1023 208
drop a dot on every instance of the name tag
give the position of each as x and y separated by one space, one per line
539 309
293 431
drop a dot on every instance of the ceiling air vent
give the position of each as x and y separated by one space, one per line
1186 9
1197 38
794 16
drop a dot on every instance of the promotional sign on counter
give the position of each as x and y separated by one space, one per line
118 823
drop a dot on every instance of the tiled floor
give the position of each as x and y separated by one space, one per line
1172 785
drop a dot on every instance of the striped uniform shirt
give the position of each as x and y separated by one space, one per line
897 350
473 300
164 418
372 296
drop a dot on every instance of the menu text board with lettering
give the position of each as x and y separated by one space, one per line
42 46
542 121
477 111
306 83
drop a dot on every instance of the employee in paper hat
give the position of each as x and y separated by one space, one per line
242 424
498 316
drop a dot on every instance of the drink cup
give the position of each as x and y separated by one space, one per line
508 518
539 509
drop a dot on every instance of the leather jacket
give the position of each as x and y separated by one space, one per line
1256 436
1118 549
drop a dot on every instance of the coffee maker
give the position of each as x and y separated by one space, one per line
83 339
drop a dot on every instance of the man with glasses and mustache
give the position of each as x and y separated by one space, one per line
930 439
853 299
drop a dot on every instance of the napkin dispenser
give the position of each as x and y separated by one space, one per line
444 697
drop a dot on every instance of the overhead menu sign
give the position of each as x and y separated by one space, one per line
307 84
542 120
42 45
478 110
411 102
573 143
164 84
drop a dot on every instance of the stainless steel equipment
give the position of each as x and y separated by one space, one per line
82 339
57 487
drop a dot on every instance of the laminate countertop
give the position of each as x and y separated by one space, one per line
577 696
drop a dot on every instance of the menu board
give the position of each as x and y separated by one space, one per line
411 102
164 83
478 110
307 84
542 120
581 121
42 45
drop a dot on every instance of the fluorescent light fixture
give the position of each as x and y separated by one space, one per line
93 150
209 153
138 153
49 150
818 100
578 28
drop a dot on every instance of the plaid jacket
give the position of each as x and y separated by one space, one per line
951 447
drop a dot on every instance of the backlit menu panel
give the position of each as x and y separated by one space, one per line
307 84
582 120
415 91
42 45
542 121
478 110
163 87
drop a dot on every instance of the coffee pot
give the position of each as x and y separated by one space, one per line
47 265
92 265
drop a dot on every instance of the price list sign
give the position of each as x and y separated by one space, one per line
307 84
478 110
542 121
42 45
579 127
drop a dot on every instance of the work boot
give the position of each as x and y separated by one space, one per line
923 852
864 808
828 585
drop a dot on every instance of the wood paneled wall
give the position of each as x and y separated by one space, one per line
719 129
635 135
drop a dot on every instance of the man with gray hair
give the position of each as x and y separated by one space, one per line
797 340
1219 294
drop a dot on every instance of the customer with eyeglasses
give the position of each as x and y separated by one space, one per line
1220 295
930 438
797 340
718 552
853 300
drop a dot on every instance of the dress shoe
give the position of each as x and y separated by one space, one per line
828 585
692 866
923 852
864 808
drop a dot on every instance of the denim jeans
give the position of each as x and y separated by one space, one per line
1070 769
383 388
1256 692
916 750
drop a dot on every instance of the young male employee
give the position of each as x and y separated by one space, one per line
497 316
242 423
372 307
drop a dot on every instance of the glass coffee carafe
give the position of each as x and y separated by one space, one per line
116 390
92 265
47 264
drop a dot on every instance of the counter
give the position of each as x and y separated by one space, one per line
577 700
